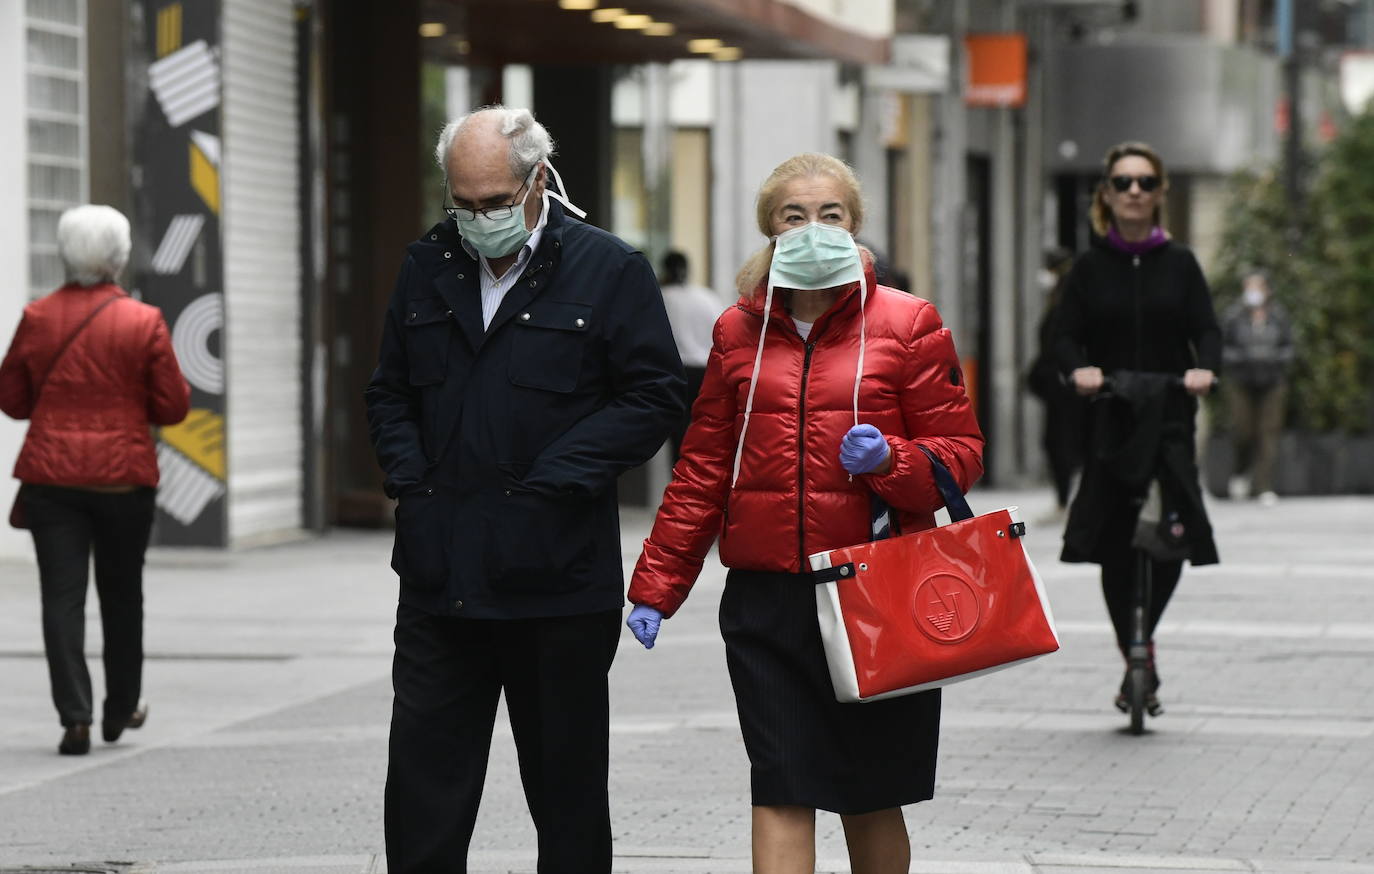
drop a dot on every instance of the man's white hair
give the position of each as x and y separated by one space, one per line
530 142
94 243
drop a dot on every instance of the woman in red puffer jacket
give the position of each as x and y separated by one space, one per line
819 390
92 369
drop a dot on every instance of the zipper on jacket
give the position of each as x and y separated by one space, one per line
801 460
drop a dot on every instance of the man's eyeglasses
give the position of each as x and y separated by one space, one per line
1146 183
492 213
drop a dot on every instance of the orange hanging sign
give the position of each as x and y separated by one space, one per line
996 70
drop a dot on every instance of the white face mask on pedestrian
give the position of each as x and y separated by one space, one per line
1254 297
499 237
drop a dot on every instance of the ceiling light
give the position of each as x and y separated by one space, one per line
433 28
660 28
633 22
577 4
703 46
727 53
604 16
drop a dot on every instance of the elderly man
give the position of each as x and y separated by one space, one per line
526 361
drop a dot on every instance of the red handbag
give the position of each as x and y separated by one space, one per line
918 611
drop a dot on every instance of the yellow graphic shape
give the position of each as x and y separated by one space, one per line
168 29
199 437
205 178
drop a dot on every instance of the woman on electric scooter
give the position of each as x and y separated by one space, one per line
1137 302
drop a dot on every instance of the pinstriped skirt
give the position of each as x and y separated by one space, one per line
805 748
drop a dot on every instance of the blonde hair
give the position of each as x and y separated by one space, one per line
1101 213
803 166
93 241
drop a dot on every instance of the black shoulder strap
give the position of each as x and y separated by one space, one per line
61 350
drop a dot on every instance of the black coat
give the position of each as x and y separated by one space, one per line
1152 313
503 446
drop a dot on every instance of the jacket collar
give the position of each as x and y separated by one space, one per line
455 273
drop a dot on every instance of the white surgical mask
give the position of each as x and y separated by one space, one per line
1254 297
496 238
814 256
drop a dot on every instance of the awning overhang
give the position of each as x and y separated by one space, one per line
497 32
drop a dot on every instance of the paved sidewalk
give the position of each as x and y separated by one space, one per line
267 675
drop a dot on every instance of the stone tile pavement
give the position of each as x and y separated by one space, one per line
265 750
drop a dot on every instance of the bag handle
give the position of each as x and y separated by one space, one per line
949 489
61 350
883 522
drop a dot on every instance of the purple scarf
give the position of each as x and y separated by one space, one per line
1156 239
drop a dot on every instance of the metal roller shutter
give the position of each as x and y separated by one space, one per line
262 274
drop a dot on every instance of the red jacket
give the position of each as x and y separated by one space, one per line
793 498
120 375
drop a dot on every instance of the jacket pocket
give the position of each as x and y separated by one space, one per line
420 555
550 340
538 543
427 331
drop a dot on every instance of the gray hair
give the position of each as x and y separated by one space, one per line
94 243
530 142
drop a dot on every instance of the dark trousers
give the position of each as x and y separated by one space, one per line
448 675
1118 588
67 526
1256 424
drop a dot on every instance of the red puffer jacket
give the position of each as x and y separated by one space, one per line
90 426
792 497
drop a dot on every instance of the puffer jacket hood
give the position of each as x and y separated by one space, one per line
90 422
792 497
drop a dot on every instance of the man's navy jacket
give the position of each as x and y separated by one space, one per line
503 446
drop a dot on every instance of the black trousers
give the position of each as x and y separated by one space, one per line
448 675
1118 588
67 526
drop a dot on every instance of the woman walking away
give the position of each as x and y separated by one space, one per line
821 391
92 369
1137 308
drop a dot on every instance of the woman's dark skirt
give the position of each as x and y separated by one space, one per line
806 748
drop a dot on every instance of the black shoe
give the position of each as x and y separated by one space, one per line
76 741
111 730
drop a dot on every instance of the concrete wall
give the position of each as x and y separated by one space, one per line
14 235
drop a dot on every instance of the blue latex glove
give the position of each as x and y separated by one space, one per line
643 624
863 449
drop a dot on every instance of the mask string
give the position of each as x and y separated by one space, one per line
863 327
560 194
753 379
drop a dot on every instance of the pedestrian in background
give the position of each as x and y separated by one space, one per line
526 361
692 311
776 464
1136 301
1062 433
1257 348
92 369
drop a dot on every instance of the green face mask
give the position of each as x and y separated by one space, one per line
498 237
815 256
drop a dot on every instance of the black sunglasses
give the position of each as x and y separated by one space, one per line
1146 183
